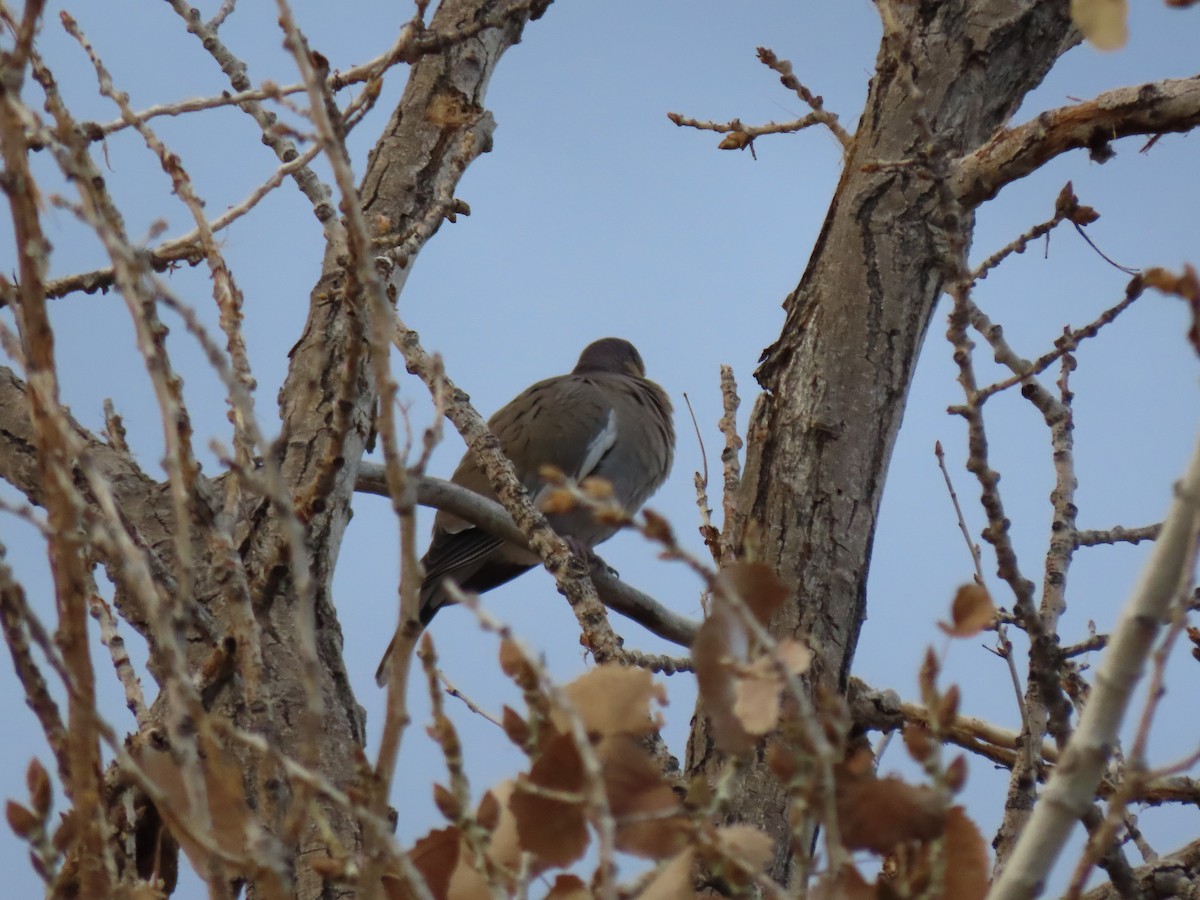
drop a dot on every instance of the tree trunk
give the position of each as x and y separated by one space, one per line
835 382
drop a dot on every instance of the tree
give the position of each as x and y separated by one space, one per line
229 579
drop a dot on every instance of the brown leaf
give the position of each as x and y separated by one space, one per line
505 846
746 844
795 655
846 884
596 488
723 645
927 678
22 821
673 881
1084 215
757 586
64 835
966 857
956 773
735 140
635 787
554 830
569 887
614 699
971 612
516 666
918 741
434 856
557 502
446 803
515 727
468 884
782 761
878 813
909 870
712 658
488 813
756 696
658 528
947 708
332 869
552 475
443 859
38 783
1103 22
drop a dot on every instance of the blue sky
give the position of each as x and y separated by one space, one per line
594 215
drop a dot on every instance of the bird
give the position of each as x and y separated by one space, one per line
603 419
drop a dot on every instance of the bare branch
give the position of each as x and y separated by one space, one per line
1157 107
1118 535
1075 779
491 516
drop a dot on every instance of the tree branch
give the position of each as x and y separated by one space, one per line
491 517
1071 787
1157 107
1175 875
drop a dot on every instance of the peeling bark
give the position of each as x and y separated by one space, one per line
835 382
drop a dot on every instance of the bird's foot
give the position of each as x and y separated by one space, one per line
587 556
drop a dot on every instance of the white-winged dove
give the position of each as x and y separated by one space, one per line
604 419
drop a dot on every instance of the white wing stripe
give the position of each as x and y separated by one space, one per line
600 445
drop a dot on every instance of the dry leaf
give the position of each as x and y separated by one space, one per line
38 783
795 655
467 883
569 887
947 708
505 846
722 648
22 821
971 612
515 727
488 814
781 760
446 803
711 656
557 502
908 871
756 696
1103 22
879 813
927 677
613 699
635 787
515 665
434 856
847 884
552 829
596 488
658 528
673 881
746 844
956 773
967 858
757 586
918 741
735 140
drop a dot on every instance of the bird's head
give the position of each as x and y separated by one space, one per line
614 355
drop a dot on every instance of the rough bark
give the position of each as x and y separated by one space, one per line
327 409
327 401
835 382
